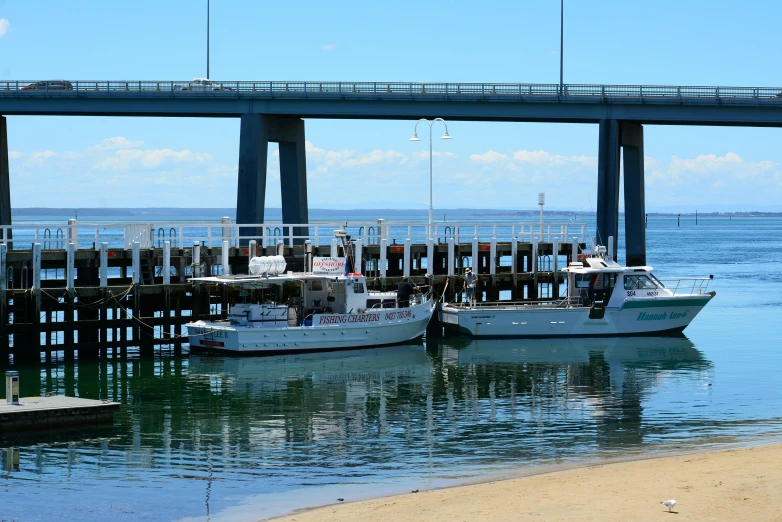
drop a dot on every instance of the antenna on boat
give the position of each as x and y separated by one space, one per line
345 239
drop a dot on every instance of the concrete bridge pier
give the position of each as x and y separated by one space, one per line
624 137
256 131
5 185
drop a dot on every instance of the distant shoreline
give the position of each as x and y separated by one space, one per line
68 213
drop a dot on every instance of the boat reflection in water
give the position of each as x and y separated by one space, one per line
371 420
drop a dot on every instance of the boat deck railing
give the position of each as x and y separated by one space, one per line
567 302
688 285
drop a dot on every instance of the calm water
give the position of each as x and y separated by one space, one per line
245 438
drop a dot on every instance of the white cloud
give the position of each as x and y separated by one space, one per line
37 159
329 47
117 142
4 25
15 154
489 157
125 159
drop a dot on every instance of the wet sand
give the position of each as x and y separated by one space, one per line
737 484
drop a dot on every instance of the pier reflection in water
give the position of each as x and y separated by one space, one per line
199 435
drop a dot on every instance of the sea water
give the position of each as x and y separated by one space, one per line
220 438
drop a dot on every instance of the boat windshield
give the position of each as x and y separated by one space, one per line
657 281
634 282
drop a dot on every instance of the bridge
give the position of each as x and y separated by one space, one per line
273 111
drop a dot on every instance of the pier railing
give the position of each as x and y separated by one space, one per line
330 89
84 235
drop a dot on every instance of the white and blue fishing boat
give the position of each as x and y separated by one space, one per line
603 299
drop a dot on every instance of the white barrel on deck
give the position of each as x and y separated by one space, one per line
268 265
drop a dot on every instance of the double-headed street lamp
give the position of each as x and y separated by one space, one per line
445 136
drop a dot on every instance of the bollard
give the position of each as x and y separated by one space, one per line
136 261
12 387
70 266
225 264
280 247
166 262
226 229
308 254
406 261
196 259
358 256
104 264
251 249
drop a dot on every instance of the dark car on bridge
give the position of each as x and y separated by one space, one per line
49 85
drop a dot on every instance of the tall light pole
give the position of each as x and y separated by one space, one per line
207 39
445 136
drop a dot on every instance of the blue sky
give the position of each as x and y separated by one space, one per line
138 162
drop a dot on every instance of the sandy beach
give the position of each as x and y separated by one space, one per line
738 484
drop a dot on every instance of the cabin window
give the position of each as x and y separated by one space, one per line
635 282
317 285
358 288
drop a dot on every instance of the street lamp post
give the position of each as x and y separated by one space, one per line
445 136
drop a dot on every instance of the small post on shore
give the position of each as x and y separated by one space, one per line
646 221
696 216
679 220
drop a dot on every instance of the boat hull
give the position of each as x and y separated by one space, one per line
328 332
635 317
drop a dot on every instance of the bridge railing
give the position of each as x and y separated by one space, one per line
455 91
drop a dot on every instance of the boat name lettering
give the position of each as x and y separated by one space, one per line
643 316
207 342
481 317
215 334
345 319
403 314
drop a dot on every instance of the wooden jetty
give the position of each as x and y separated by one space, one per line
37 413
98 296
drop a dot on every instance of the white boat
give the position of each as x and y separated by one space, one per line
307 312
603 299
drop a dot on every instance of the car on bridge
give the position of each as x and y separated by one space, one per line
49 85
202 85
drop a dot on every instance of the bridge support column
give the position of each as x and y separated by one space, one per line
608 181
256 131
5 183
633 163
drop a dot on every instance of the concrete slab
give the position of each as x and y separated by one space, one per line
34 413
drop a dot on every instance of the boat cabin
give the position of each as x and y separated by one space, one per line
293 299
595 280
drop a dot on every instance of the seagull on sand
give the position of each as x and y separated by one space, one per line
669 504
